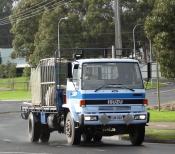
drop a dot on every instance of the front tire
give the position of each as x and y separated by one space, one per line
73 134
136 135
45 134
33 128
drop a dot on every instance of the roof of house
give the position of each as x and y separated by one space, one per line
5 54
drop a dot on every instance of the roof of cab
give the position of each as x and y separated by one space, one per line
107 60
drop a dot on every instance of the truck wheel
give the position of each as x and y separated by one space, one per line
97 138
45 134
86 137
136 135
73 134
33 128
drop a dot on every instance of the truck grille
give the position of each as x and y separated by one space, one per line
124 101
115 108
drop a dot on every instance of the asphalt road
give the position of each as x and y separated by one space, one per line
13 139
167 94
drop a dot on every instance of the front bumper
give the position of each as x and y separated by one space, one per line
114 118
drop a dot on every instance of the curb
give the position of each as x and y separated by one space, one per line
8 112
151 140
19 101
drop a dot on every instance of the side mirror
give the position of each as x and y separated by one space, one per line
149 70
69 70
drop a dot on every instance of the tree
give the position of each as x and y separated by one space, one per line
37 38
98 24
11 70
135 12
5 10
26 72
2 71
24 30
160 28
46 37
90 25
8 70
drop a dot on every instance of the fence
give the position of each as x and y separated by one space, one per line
12 84
154 71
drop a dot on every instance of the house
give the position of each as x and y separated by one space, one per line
5 56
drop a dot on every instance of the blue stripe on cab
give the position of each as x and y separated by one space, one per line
102 96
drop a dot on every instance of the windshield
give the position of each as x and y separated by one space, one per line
96 75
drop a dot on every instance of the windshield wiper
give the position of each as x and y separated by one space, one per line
103 86
124 86
114 86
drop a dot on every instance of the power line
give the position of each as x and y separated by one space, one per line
40 8
23 12
37 12
28 10
34 5
33 12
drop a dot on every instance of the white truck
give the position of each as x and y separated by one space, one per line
98 97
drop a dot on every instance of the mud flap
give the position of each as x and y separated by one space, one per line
59 99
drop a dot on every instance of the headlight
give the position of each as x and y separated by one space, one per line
140 117
90 118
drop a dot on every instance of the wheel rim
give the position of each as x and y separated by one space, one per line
68 129
30 126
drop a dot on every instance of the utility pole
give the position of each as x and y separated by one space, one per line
59 21
150 58
118 38
158 81
134 41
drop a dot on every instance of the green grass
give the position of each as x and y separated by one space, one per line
17 79
154 134
15 95
153 85
160 134
162 116
18 83
14 89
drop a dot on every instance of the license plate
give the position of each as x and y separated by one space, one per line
115 101
117 117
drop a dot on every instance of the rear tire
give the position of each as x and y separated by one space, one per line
73 134
97 138
45 134
33 128
87 138
136 135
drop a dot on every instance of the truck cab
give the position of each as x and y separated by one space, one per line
106 97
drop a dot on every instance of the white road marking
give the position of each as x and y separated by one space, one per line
7 140
165 91
100 150
112 138
20 153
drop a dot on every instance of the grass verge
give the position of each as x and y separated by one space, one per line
14 89
19 95
162 116
18 83
162 134
153 85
